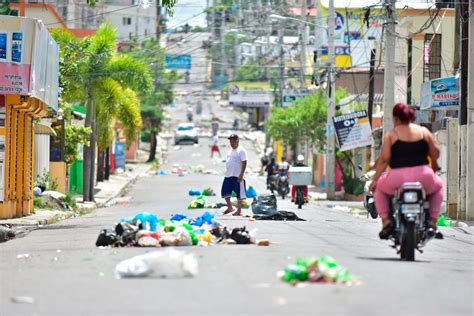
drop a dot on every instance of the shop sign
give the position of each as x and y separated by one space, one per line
441 94
353 130
250 97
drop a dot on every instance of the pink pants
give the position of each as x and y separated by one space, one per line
390 181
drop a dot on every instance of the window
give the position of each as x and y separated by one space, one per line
432 57
126 21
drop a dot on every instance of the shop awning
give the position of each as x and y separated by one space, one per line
41 129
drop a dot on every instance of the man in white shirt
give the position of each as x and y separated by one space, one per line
234 175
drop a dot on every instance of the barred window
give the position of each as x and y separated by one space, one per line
432 57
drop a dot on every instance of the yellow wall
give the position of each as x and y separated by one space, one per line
57 171
409 22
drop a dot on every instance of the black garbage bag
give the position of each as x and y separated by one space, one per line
107 237
220 233
240 235
265 204
127 232
279 216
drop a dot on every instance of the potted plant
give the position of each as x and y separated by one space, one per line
353 186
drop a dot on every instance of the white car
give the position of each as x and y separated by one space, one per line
185 132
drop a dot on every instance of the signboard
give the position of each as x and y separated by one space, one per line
29 60
249 97
182 61
2 166
290 95
353 130
440 94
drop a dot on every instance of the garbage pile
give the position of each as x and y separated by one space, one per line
146 230
205 192
319 270
264 207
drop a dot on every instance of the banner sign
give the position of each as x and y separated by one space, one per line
353 130
182 61
248 97
441 94
290 95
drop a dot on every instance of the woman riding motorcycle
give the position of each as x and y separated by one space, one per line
405 150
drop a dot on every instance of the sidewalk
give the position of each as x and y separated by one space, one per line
107 191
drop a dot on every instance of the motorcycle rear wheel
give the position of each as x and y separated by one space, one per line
299 198
408 244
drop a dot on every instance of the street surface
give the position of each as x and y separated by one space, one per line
67 275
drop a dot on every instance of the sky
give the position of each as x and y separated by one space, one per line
188 11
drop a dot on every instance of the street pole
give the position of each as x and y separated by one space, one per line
303 44
158 20
470 127
389 73
463 111
330 145
281 64
224 62
370 108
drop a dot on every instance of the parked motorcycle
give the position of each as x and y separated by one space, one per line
369 201
409 209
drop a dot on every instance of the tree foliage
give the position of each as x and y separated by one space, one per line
252 71
306 120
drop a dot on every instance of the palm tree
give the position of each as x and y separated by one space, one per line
92 72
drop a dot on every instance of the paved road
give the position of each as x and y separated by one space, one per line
233 280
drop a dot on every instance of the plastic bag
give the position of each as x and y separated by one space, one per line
107 237
265 204
208 192
169 263
194 192
251 192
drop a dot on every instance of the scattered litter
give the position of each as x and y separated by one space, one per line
208 192
194 192
199 202
163 172
263 242
169 263
23 256
444 221
251 192
321 270
6 233
120 200
265 204
22 299
279 216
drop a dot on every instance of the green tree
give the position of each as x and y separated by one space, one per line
306 120
252 71
92 73
150 53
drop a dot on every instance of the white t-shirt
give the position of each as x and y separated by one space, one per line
234 161
215 140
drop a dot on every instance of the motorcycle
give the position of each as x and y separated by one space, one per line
279 183
299 199
189 115
409 209
369 201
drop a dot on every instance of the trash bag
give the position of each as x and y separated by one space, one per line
203 219
199 202
107 237
279 216
240 235
147 220
178 217
251 192
194 192
220 233
265 204
169 263
208 192
126 233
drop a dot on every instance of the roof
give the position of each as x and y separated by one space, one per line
81 33
41 129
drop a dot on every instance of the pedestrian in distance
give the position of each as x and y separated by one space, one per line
236 164
215 146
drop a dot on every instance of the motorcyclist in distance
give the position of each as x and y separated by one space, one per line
406 149
299 163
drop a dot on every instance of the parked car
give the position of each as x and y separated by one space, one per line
185 132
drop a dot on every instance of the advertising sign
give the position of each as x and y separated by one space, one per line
441 94
182 61
2 166
353 130
26 66
290 95
250 97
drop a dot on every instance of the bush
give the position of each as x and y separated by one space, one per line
45 183
351 184
38 202
69 200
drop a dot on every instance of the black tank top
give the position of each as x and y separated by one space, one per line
409 154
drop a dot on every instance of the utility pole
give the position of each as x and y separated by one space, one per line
281 62
470 126
389 73
158 20
303 44
223 56
370 108
463 111
331 141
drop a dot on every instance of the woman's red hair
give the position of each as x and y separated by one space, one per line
405 113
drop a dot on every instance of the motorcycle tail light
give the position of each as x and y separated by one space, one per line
410 197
